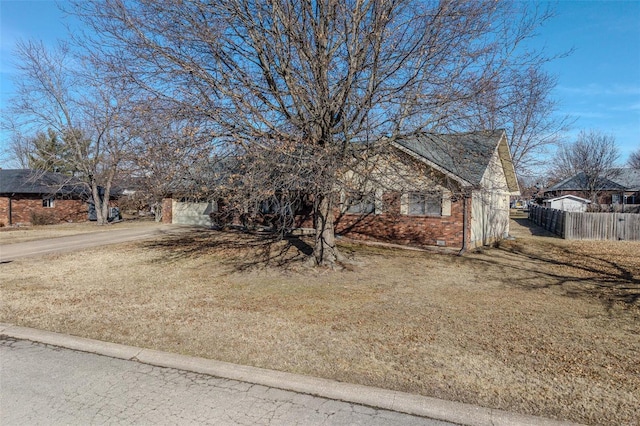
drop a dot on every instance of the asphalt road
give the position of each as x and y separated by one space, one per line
42 384
15 251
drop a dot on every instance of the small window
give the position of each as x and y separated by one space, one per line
360 203
424 204
48 203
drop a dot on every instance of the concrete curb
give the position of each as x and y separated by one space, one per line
433 408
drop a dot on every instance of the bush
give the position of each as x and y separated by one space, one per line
42 219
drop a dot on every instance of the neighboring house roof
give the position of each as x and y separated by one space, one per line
568 197
579 182
463 156
629 178
26 181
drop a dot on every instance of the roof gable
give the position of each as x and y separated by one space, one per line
504 153
462 156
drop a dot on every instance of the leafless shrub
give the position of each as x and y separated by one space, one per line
38 218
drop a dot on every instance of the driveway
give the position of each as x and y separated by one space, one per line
15 251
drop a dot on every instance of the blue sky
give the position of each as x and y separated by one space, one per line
598 85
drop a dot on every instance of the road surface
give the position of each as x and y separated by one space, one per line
42 384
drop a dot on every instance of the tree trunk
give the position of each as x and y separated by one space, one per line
325 251
157 211
105 209
102 213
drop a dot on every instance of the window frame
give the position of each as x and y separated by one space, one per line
48 203
426 200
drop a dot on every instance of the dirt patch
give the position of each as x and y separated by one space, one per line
539 326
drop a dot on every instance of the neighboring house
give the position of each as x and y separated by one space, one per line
630 179
568 203
622 187
32 196
444 190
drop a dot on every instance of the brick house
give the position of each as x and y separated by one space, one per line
28 196
445 190
424 190
620 187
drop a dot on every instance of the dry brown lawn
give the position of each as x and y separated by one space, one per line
540 325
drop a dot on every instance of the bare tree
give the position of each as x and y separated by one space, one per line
305 80
168 154
593 155
634 159
59 92
523 106
18 150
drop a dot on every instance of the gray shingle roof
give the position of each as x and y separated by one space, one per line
26 181
629 178
579 182
465 155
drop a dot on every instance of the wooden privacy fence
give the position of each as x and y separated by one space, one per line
587 226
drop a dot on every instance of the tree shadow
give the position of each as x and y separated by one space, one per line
236 249
576 274
533 228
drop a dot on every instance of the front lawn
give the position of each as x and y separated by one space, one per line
540 325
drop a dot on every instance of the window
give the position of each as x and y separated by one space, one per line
48 203
358 203
424 204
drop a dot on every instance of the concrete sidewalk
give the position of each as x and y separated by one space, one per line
400 402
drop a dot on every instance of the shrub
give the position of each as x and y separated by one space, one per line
42 219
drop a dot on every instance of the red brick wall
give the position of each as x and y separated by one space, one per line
391 226
24 207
